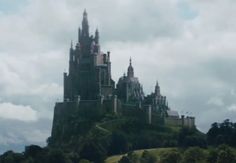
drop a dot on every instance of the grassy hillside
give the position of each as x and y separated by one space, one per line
153 151
220 154
110 134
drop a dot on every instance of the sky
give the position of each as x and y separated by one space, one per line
189 46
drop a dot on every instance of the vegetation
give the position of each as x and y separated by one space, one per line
222 133
112 135
222 154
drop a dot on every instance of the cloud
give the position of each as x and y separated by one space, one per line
232 108
232 92
17 112
188 46
9 138
51 89
15 134
217 101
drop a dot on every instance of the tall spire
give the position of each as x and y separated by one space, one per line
96 36
85 26
157 83
71 44
79 34
130 69
71 51
157 89
85 13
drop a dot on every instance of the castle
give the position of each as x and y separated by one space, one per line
89 90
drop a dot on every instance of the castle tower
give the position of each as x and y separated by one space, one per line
89 69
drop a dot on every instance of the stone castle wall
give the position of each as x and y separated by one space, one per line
182 122
67 113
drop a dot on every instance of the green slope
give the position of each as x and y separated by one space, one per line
154 151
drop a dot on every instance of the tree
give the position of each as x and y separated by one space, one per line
84 161
222 133
36 153
124 159
11 157
170 156
32 150
190 137
226 154
147 157
93 152
131 157
194 155
56 156
119 144
212 156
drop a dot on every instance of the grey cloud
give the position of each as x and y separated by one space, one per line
17 112
192 58
15 135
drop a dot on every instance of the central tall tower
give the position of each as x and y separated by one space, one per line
89 74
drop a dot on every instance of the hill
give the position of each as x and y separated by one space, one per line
111 134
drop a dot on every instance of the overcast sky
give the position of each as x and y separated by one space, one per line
189 46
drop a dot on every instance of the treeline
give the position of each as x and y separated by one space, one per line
222 154
97 149
128 136
222 133
36 154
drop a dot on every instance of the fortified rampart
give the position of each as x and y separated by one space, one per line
93 109
183 121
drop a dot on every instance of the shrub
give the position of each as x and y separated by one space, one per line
171 156
212 156
147 157
226 154
194 155
131 157
84 161
93 152
124 159
11 157
56 156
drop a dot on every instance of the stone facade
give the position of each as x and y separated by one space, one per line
89 68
